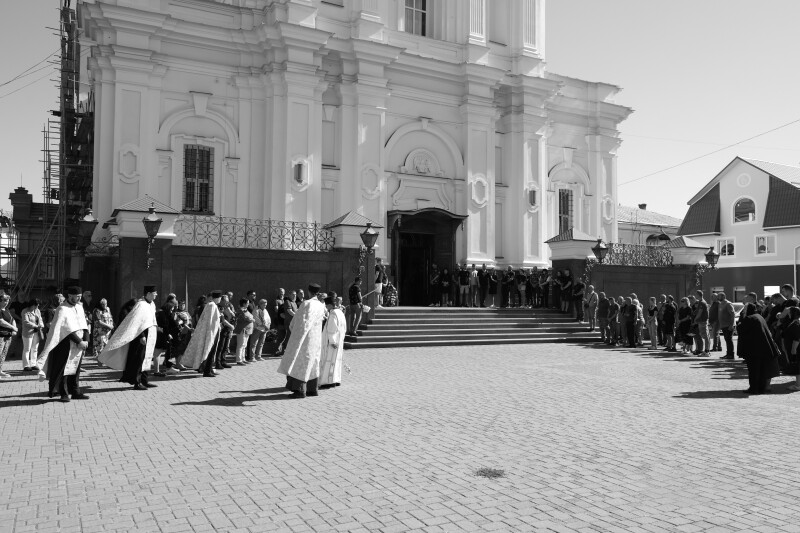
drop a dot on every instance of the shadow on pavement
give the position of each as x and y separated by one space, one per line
273 390
713 394
239 401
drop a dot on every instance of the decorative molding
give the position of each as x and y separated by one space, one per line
371 193
232 167
129 163
568 154
532 186
607 209
743 180
422 162
329 184
572 173
165 164
407 194
301 181
200 103
424 124
479 190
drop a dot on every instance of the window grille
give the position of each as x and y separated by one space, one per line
726 247
198 179
416 16
565 206
744 211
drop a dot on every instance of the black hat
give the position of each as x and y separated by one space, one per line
74 290
149 288
314 288
216 294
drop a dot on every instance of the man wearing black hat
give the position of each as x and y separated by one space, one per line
64 348
131 347
300 361
202 348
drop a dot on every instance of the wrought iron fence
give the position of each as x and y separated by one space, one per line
228 232
104 246
638 255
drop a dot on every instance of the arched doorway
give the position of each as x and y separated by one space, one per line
421 238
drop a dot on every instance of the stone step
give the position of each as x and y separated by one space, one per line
472 326
470 320
399 343
464 334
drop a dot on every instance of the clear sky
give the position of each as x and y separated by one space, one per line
700 75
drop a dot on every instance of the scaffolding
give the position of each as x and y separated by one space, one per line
68 149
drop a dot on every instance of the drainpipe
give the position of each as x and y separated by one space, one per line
794 266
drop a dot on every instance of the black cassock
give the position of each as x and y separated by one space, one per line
137 349
57 360
758 349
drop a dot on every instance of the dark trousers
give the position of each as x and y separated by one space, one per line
484 291
222 345
280 339
630 331
579 308
727 334
295 385
546 297
211 360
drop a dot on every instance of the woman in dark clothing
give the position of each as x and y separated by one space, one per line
566 293
758 349
445 287
558 279
684 325
579 291
669 324
198 309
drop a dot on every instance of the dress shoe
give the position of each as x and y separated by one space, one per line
34 368
312 394
298 394
64 398
26 369
150 385
139 386
80 397
226 365
208 375
241 363
218 366
727 357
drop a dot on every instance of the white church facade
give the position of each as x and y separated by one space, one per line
436 119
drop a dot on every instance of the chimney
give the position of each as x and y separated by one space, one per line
643 207
21 201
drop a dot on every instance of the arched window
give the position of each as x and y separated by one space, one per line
47 264
744 210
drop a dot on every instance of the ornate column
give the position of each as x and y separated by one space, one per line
479 116
364 94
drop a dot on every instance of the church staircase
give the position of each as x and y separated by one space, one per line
394 327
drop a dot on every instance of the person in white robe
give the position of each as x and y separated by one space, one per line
202 347
300 361
131 346
330 365
67 340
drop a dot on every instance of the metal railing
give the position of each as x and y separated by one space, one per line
228 232
638 255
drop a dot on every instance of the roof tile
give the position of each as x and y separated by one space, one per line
703 215
783 204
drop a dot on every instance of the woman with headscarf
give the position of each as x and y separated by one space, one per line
758 349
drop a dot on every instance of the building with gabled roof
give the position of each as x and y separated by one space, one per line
750 213
638 225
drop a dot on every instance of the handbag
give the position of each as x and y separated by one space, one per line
365 308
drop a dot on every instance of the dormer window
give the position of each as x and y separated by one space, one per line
744 210
416 17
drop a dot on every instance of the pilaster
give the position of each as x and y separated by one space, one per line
603 165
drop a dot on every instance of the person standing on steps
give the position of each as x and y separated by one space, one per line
356 306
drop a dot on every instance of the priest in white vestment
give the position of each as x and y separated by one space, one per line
67 339
131 346
202 346
330 365
300 361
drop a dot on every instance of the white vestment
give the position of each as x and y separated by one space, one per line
301 358
142 317
203 337
330 366
67 319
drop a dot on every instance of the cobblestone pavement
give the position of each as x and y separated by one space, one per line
589 439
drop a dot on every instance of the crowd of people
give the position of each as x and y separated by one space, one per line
768 331
142 339
309 327
471 286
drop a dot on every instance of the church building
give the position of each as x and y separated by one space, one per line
437 120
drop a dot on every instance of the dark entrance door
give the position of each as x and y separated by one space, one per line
415 264
421 239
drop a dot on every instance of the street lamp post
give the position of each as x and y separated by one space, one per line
711 264
152 223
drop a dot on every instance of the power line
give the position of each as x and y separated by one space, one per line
689 141
26 73
709 153
26 85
